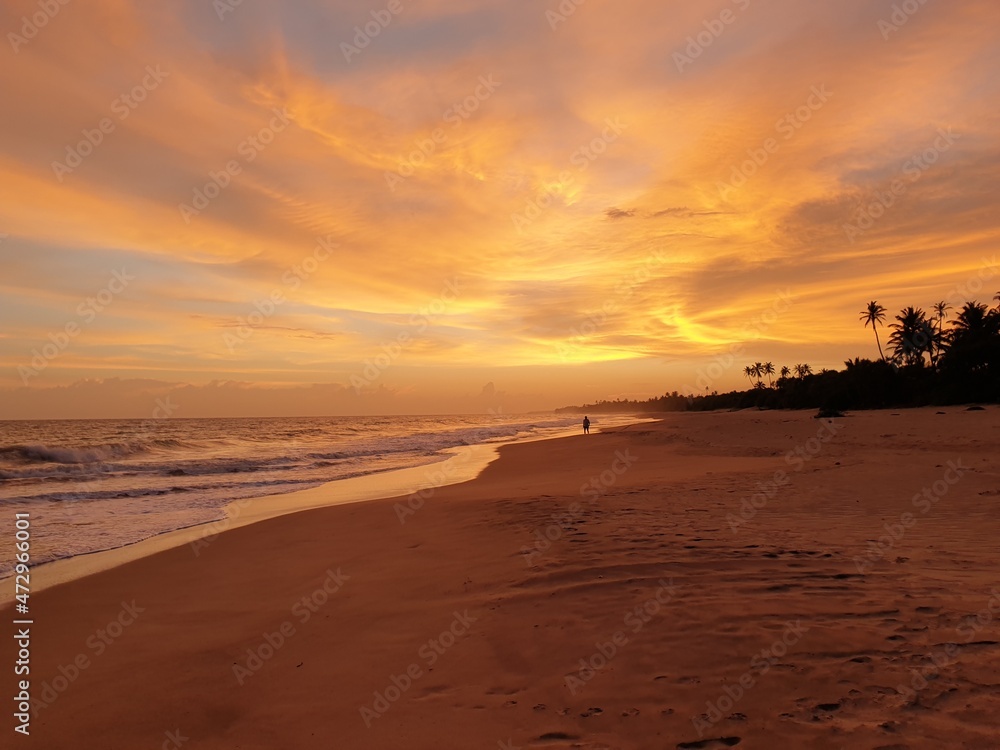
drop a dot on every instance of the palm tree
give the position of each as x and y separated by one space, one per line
941 312
874 315
785 372
758 371
975 339
748 371
941 309
912 335
769 371
972 318
803 370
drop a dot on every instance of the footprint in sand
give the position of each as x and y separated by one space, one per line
818 712
717 742
592 712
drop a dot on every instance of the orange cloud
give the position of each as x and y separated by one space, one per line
605 197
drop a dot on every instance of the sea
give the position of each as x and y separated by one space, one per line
92 485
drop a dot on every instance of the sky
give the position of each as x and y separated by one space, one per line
255 208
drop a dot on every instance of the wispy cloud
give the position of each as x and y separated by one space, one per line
472 161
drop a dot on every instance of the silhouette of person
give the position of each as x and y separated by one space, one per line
586 425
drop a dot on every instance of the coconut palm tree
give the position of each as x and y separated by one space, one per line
912 335
748 371
975 339
874 315
941 309
803 370
972 318
769 371
785 372
941 312
758 371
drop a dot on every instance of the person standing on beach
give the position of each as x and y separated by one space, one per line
586 425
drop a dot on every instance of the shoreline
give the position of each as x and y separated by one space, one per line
461 464
589 591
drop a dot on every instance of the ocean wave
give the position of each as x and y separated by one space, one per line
26 463
89 454
224 490
429 443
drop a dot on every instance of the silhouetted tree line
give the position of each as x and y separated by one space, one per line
932 361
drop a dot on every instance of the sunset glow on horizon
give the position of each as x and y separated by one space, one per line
458 206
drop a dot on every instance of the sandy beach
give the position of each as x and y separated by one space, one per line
752 580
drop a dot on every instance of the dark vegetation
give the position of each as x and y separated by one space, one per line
931 361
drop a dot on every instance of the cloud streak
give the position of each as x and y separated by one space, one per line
538 138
